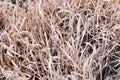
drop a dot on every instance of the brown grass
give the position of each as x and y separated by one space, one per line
60 40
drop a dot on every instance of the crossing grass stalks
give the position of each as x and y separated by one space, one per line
60 40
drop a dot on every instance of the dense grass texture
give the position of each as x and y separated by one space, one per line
59 39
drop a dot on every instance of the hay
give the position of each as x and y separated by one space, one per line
60 39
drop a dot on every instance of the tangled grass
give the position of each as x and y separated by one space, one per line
60 40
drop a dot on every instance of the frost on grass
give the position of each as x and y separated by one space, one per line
60 39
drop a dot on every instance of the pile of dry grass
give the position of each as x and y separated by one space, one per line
60 40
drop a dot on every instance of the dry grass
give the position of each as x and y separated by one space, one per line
60 40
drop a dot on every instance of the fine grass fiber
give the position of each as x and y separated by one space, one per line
59 39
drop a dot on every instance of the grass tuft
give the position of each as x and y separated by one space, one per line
59 39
